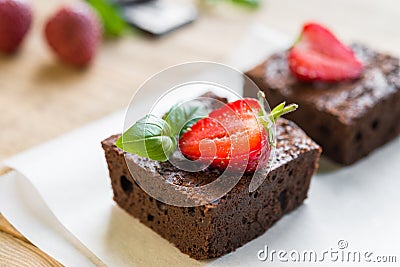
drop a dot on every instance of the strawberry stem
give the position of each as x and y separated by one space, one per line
278 111
281 110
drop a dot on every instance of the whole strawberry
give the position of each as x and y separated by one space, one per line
15 21
74 33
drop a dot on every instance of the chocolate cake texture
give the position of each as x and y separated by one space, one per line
214 229
349 119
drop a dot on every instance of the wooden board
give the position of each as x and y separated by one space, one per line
16 250
41 98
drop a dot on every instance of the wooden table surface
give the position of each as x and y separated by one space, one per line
40 98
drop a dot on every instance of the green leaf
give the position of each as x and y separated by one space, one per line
182 116
248 3
113 22
149 137
244 3
155 138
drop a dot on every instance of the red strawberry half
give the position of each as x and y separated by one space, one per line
234 135
74 33
319 56
15 20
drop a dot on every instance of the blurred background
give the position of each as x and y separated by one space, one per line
41 97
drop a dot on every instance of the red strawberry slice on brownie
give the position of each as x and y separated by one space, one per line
236 135
319 56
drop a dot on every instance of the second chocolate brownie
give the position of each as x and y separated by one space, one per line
348 119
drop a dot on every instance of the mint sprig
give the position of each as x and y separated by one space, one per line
149 137
244 3
114 24
156 138
183 115
248 3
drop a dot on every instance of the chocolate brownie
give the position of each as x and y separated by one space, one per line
348 119
220 227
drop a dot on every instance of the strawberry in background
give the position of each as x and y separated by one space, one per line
15 21
318 55
74 33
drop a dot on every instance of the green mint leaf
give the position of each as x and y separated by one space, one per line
248 3
149 137
119 144
114 24
182 116
253 4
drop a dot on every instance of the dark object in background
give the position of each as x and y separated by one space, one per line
348 119
157 17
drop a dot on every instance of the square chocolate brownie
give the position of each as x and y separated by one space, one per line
220 227
348 119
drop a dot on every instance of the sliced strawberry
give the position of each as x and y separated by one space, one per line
233 136
319 56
